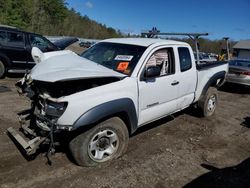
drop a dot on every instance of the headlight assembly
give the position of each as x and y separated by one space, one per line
55 109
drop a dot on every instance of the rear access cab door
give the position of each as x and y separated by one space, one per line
187 76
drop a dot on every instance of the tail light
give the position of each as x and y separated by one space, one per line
245 73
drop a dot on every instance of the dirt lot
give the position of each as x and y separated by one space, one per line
178 151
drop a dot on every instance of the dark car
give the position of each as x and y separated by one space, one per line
16 45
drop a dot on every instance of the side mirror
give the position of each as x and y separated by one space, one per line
36 54
152 71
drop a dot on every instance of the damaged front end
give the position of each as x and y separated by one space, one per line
38 125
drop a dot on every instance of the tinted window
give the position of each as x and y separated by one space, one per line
119 57
3 37
185 59
39 42
15 39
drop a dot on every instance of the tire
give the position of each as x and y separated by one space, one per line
208 103
106 141
2 69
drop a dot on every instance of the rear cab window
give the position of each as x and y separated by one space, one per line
184 58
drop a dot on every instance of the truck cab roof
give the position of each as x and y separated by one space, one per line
143 41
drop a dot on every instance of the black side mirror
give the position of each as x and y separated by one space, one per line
152 71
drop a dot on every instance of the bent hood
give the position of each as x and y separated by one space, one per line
70 67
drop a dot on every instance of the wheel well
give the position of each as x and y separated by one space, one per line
122 108
123 116
212 82
5 61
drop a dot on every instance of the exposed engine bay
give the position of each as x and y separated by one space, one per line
60 88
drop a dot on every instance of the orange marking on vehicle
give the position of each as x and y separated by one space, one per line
122 66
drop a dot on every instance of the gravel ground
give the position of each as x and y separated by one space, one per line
179 151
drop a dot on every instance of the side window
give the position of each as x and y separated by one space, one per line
185 59
164 59
39 42
14 39
3 37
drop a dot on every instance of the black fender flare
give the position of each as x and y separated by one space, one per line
213 82
123 106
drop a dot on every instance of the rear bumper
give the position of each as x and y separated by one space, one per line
238 80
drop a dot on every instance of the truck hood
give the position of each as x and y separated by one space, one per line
70 66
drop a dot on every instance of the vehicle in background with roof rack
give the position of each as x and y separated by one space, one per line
16 45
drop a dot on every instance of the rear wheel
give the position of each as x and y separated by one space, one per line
2 69
104 142
208 103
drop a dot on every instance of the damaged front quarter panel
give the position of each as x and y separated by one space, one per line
39 123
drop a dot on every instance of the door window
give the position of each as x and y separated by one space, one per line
39 42
14 39
3 37
163 58
185 59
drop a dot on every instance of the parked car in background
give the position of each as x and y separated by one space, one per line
206 57
16 45
239 72
86 44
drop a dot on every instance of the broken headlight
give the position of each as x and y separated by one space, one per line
55 109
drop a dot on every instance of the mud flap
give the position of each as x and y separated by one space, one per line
30 146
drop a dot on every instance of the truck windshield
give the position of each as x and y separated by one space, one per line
119 57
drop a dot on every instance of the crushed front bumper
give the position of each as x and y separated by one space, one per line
28 138
30 146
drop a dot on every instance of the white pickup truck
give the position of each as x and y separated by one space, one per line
94 101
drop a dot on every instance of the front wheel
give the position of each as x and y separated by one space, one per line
208 103
104 142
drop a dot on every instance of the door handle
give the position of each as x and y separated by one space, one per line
174 83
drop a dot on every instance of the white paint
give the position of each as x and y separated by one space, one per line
153 99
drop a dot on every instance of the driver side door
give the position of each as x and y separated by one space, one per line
157 96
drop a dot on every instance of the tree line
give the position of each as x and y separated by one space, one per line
52 17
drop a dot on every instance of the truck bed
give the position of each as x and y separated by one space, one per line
210 72
210 65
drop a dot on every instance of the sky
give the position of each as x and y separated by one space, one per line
220 18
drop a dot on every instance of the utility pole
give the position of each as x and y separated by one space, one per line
227 46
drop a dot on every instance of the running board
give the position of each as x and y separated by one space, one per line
29 146
16 71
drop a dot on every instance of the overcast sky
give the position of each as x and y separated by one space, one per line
219 18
